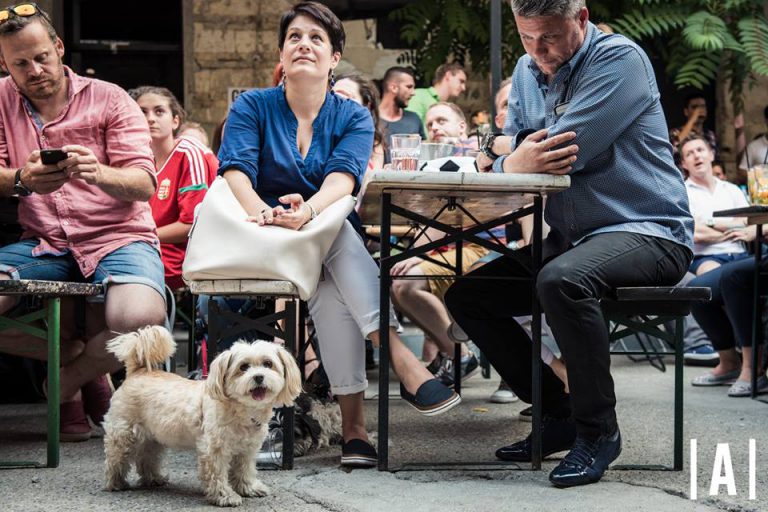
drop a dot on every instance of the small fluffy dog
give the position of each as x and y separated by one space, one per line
224 418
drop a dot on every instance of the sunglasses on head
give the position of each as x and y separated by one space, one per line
22 10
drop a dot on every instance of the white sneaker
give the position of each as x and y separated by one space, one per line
503 395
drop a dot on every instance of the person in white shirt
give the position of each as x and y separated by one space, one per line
721 263
716 240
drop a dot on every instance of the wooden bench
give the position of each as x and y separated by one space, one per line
45 323
647 310
225 323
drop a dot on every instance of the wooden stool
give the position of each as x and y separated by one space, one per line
51 292
646 310
224 323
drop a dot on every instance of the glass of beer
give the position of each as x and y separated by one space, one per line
405 150
757 183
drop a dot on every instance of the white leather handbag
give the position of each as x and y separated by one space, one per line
223 245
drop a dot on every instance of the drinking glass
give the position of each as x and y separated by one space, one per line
757 184
405 149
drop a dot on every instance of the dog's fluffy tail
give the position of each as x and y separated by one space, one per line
143 349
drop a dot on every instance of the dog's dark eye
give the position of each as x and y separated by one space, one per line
267 364
244 367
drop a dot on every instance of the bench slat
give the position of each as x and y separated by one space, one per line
48 288
662 293
244 287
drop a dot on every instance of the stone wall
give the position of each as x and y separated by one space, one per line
227 43
233 43
755 101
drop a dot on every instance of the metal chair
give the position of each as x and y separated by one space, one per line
45 323
223 323
647 310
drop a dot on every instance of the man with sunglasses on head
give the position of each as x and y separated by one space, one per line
586 104
85 217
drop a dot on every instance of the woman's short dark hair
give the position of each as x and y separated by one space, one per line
322 15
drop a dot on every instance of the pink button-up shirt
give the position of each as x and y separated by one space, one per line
79 218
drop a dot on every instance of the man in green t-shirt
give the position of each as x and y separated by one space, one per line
450 81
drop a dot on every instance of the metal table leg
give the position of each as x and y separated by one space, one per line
536 337
54 384
757 326
386 283
678 421
291 316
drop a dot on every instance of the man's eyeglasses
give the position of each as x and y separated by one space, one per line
22 10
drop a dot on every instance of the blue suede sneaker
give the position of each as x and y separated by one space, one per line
587 460
703 355
432 398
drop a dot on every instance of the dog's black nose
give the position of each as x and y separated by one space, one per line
258 379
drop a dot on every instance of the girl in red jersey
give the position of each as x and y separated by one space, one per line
185 168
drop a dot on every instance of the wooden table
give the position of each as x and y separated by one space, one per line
462 205
756 215
51 292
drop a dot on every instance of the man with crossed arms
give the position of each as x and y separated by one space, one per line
589 105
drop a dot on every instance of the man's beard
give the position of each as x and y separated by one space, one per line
53 86
400 102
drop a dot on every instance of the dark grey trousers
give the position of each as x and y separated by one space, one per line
569 286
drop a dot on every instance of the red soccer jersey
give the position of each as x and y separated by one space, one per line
181 184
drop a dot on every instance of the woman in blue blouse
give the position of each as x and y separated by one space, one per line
288 153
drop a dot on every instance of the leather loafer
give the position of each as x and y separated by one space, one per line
587 460
557 435
432 398
358 453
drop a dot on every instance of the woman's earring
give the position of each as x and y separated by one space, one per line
333 79
282 78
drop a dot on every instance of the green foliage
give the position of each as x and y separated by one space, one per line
699 68
440 31
703 31
707 39
649 22
700 40
754 40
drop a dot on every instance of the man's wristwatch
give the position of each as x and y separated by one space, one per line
710 222
486 146
18 187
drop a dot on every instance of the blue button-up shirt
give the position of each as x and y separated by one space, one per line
260 140
624 178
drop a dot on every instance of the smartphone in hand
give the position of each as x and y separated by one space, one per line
52 156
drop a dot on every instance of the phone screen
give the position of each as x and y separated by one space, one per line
52 156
